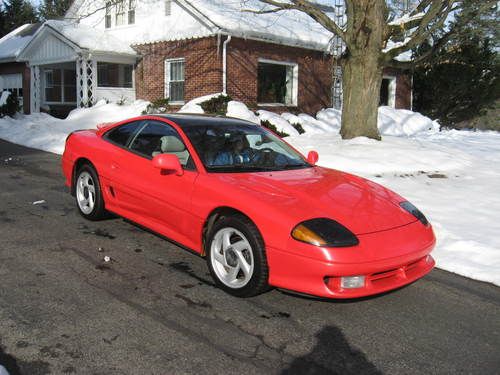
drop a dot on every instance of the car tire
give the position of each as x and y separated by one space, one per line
236 257
88 194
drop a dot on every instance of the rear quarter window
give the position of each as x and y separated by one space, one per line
122 134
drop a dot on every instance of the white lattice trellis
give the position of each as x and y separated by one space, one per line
86 75
35 89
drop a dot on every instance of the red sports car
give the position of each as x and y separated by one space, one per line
261 213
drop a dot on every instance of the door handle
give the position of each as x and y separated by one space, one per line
114 166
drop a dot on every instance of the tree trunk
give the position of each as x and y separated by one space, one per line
362 68
361 79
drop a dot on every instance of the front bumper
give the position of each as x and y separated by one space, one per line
388 260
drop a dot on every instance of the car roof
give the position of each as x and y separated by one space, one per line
187 120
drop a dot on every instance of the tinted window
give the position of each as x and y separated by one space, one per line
158 138
241 147
123 133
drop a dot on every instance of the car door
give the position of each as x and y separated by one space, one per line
116 154
161 201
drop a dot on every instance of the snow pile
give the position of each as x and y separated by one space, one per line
281 124
240 110
44 132
398 122
193 106
402 122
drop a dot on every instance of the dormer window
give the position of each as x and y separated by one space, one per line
168 7
120 13
131 12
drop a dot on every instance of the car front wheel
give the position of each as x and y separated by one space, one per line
88 194
236 256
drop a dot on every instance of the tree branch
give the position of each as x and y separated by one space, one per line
311 9
438 12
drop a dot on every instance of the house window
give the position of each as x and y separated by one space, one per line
388 91
168 7
107 17
60 86
53 83
120 13
174 80
131 12
12 83
114 75
277 83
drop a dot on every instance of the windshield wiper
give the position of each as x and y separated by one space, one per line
294 166
240 168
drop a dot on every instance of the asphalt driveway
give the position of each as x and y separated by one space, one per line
154 310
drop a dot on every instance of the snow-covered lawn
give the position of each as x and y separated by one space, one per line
452 176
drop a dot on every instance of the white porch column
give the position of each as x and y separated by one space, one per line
86 81
35 89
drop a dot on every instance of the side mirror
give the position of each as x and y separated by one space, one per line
168 163
312 157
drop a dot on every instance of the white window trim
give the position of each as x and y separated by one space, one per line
167 79
391 100
295 83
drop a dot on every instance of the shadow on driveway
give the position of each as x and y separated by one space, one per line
332 354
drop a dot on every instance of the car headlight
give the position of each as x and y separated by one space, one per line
324 232
410 208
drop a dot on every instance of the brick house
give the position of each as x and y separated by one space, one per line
177 49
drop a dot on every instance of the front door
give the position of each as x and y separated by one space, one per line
162 201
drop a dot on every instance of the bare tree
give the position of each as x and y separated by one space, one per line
374 36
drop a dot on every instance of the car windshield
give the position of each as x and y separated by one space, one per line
242 148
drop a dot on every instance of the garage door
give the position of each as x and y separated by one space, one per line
12 83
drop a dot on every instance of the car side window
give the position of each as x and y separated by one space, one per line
158 138
122 134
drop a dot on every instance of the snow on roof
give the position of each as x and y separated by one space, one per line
286 27
90 38
15 41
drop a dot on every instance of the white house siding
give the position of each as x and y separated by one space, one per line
50 50
115 94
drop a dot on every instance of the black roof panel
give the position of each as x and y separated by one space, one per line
185 120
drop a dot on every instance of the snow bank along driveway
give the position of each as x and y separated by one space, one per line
452 176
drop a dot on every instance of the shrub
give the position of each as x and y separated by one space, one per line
11 106
273 128
299 128
122 100
216 105
157 106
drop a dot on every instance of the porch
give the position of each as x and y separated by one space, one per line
66 75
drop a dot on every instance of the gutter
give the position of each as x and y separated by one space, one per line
224 64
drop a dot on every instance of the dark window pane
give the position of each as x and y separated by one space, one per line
53 85
272 83
384 92
122 134
69 86
158 138
114 75
177 91
131 17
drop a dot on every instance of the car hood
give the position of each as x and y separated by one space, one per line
361 205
